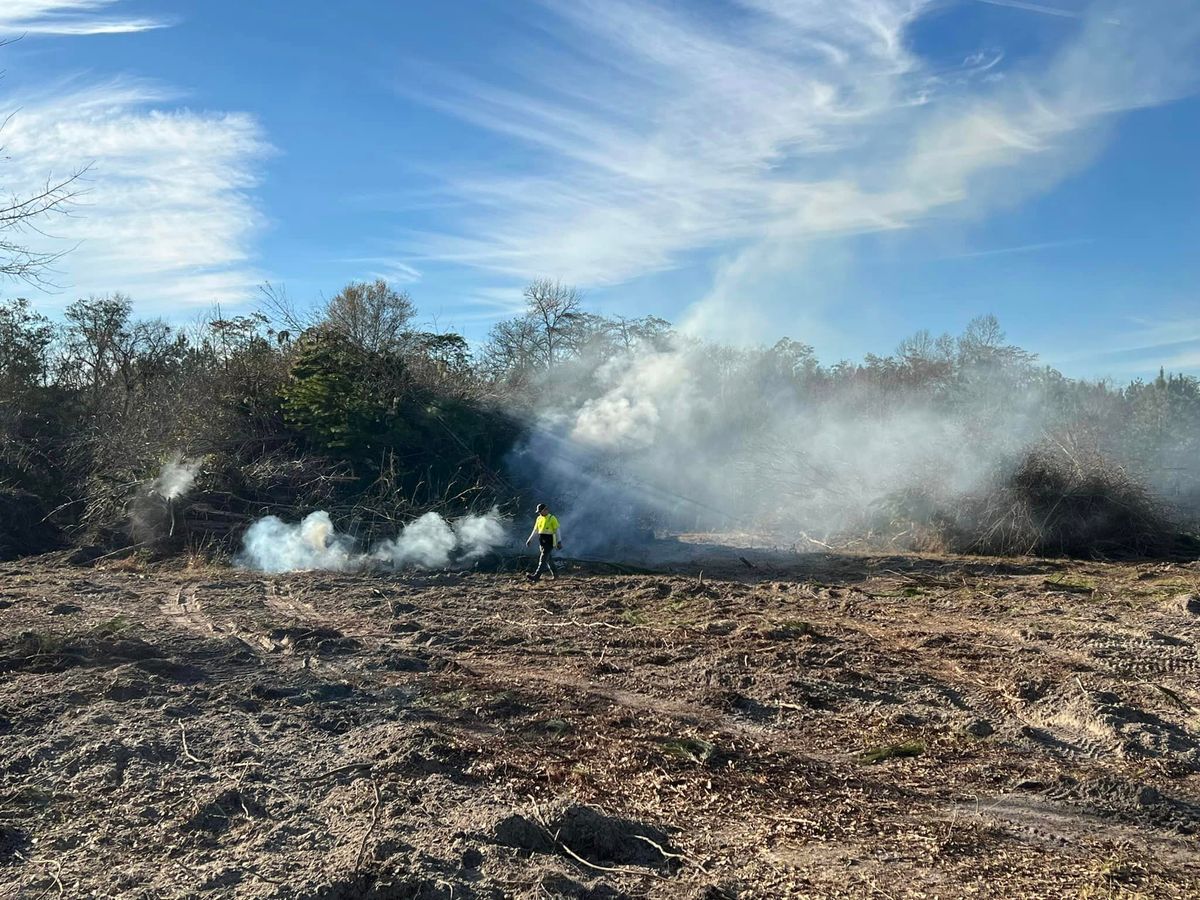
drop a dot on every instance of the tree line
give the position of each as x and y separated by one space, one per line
352 406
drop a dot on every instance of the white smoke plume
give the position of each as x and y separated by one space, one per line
177 477
479 535
426 543
272 545
429 542
152 508
699 437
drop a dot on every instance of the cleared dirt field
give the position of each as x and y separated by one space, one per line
818 726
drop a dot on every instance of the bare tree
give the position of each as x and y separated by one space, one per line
21 215
512 352
22 212
372 315
282 311
648 331
556 309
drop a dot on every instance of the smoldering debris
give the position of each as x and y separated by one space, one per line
153 508
428 542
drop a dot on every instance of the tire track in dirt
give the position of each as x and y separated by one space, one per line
1063 722
288 605
310 631
1133 654
1052 824
693 715
1012 717
1081 735
183 609
991 702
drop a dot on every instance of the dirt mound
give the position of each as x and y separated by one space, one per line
324 641
223 810
38 651
587 833
1129 800
1189 604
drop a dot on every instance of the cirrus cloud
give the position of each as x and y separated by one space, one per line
68 17
166 211
659 132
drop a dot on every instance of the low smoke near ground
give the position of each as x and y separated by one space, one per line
429 542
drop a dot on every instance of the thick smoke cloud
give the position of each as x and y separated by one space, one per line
430 542
699 437
272 545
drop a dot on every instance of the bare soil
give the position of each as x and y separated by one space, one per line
783 726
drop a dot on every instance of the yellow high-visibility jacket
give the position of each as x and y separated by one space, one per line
546 525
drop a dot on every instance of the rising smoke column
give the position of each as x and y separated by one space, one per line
177 477
152 508
429 542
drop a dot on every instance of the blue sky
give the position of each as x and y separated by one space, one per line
843 173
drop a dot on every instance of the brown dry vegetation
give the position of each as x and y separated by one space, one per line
820 726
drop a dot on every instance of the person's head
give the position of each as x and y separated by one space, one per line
542 509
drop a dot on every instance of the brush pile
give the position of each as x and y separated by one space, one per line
1051 502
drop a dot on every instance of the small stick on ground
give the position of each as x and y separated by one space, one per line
338 771
186 751
669 855
119 550
53 872
362 848
620 870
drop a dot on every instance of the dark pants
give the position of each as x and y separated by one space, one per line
546 542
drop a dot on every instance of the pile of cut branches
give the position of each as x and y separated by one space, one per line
1053 501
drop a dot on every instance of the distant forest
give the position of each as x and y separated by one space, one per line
354 409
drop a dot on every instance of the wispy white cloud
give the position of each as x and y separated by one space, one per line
166 213
390 270
1140 349
782 122
68 17
1016 249
1056 11
675 135
1036 7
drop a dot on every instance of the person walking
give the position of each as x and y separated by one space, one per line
549 537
